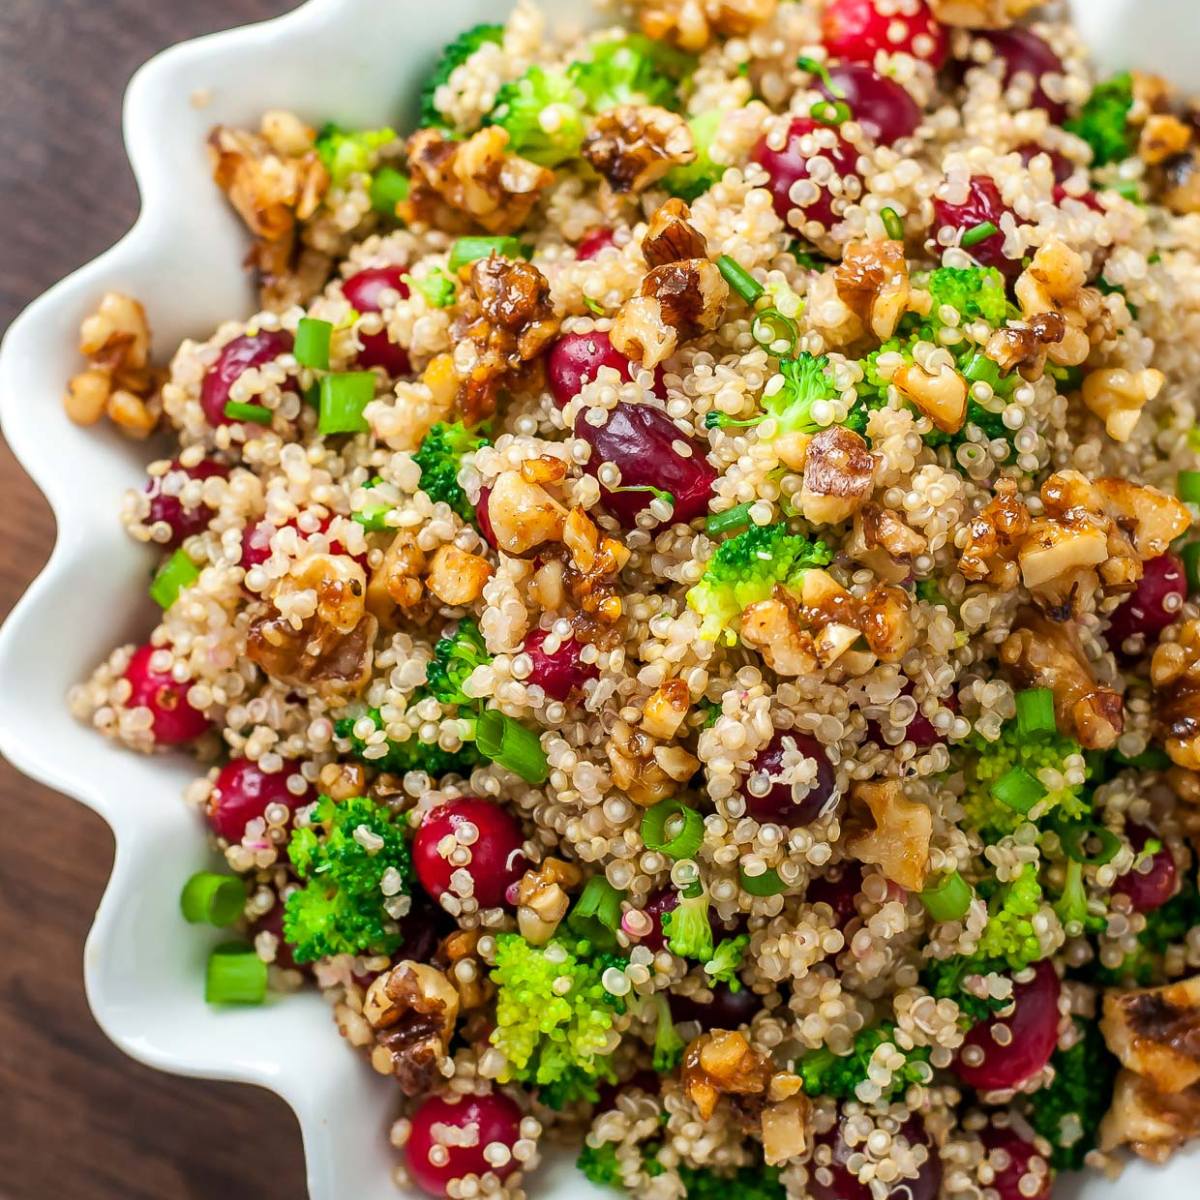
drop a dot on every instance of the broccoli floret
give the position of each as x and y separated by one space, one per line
1165 926
726 959
340 857
943 978
1067 1112
553 1017
805 381
695 178
438 287
974 292
543 116
600 1166
631 70
838 1075
1103 122
410 755
454 658
746 1183
668 1045
454 55
440 458
688 930
347 152
746 568
1009 934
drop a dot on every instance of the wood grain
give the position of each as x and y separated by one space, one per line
81 1121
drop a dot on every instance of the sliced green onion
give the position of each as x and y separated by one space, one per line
775 332
257 414
893 224
1075 837
235 975
1018 790
948 900
766 884
979 233
815 67
731 518
437 287
212 899
739 279
312 394
343 398
831 112
373 518
312 343
593 306
1035 712
173 576
597 913
656 493
1188 487
672 828
389 187
1191 565
469 249
509 743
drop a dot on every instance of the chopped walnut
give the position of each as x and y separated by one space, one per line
1045 653
1179 183
941 397
639 770
719 1063
1175 674
542 899
457 577
412 1008
1151 1124
839 473
872 280
342 781
771 628
882 528
1156 1032
1054 283
523 515
458 956
693 24
396 584
1025 348
671 237
899 843
1163 136
457 185
1117 397
994 538
591 564
665 709
678 300
633 146
981 14
785 1128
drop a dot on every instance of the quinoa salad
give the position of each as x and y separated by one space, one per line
684 602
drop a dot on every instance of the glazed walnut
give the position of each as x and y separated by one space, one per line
542 899
633 146
693 24
980 14
1155 1032
412 1008
839 474
1054 282
1151 1123
722 1063
994 537
899 842
678 301
1175 674
1117 396
872 280
671 237
644 770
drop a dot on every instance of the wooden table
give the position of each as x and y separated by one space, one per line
81 1121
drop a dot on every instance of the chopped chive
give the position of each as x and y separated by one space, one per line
593 306
343 399
1187 487
468 249
815 67
673 829
656 493
312 394
766 884
893 224
235 975
257 414
212 899
597 913
1035 712
1018 790
775 332
173 576
1153 758
739 279
1075 838
731 518
507 742
831 112
373 518
948 900
312 343
389 188
979 233
1191 564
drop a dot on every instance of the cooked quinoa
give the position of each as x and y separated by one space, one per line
683 604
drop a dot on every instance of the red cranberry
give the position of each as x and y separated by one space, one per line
243 791
920 730
1024 53
727 1010
641 441
984 203
593 242
256 541
1010 1157
1154 604
1089 198
237 357
485 521
789 166
561 673
423 927
175 720
857 30
886 110
1060 164
1033 1025
184 522
833 1180
495 1119
364 291
576 359
1152 888
839 888
779 805
496 859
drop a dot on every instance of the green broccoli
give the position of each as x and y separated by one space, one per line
944 979
1103 122
600 1165
838 1075
974 292
632 69
454 658
554 1017
1165 926
1068 1111
341 857
746 568
542 112
687 927
1009 934
440 289
453 56
805 382
347 152
695 178
410 755
756 1182
726 959
440 458
668 1045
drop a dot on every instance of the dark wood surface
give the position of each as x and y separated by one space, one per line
79 1120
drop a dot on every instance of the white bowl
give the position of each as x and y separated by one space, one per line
358 62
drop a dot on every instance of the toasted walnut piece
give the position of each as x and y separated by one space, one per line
340 585
87 396
671 237
882 528
785 1129
341 781
1117 397
456 577
665 708
635 770
693 24
994 538
1054 283
1179 185
542 899
981 14
839 473
719 1063
413 1008
117 334
872 280
941 397
523 515
1156 1032
286 134
1053 548
396 582
1045 653
1025 348
885 619
1151 1124
899 843
633 146
476 182
546 468
1163 136
288 271
679 300
1175 675
770 627
1154 519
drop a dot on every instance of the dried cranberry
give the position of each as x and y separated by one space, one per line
256 541
1151 887
576 359
839 888
1060 164
1089 198
886 110
1010 1157
496 861
175 720
489 1118
641 440
484 520
235 358
1024 53
1153 605
560 673
1033 1026
806 140
857 30
183 522
242 792
780 805
832 1180
983 204
727 1009
593 242
365 292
